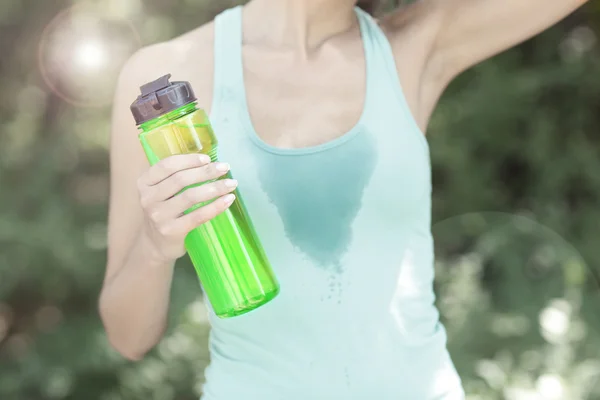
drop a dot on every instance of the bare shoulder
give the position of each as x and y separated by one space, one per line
188 57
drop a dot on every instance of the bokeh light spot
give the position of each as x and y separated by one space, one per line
554 320
550 387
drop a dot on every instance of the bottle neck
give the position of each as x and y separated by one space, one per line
168 117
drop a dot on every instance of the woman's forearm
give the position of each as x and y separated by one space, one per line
134 302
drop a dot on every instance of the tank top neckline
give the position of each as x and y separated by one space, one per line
235 25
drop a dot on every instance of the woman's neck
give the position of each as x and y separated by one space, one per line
298 25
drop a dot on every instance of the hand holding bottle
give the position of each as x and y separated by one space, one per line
164 202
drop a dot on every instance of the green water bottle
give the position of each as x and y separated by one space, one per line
226 252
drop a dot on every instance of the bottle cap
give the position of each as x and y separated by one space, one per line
160 97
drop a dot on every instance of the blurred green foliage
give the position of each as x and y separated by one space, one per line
516 155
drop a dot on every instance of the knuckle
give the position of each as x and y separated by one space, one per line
167 169
145 201
193 159
164 230
208 171
224 187
147 195
181 179
191 196
202 216
154 215
212 189
140 183
214 171
167 166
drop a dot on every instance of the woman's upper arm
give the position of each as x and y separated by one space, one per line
127 161
471 31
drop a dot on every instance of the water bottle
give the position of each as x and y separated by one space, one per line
226 253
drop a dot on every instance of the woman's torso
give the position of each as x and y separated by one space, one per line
346 225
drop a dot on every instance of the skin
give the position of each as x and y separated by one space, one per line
300 55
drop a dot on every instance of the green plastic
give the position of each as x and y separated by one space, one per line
226 253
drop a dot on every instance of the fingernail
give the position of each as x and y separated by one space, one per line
231 183
204 159
222 167
228 199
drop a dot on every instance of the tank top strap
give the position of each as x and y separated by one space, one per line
228 76
383 72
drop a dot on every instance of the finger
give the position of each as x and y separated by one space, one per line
182 179
173 164
204 214
176 206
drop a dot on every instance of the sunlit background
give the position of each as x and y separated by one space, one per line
516 152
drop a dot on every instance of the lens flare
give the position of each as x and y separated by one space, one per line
90 55
81 52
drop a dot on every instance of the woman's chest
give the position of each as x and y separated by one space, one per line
374 181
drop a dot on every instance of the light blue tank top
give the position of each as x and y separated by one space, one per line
346 225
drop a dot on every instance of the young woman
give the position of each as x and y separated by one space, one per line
320 111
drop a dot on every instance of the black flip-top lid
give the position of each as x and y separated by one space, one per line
160 97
